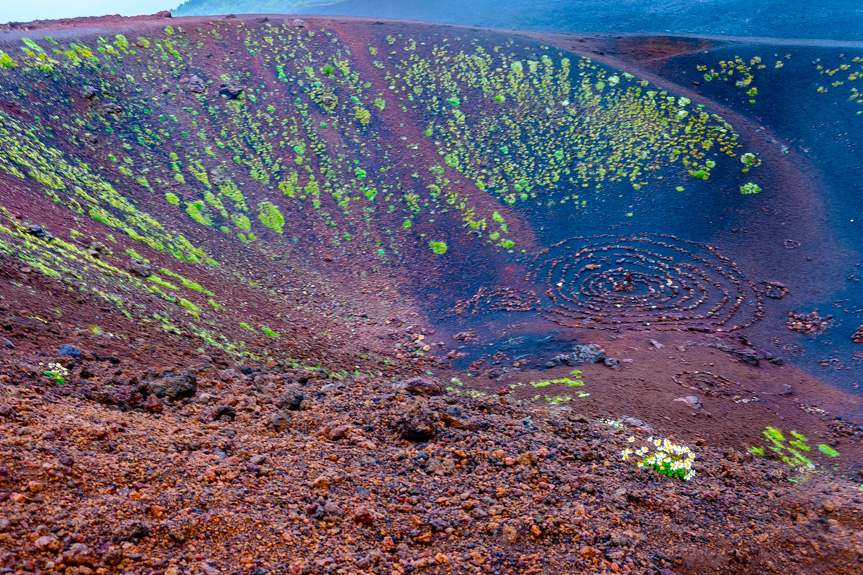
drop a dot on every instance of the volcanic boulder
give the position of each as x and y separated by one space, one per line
422 386
197 85
416 422
230 91
140 268
292 399
581 354
172 387
130 530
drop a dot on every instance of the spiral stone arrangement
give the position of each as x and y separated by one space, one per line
499 299
645 282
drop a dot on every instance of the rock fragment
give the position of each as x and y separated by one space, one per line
173 387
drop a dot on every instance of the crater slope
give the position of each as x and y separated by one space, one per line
318 295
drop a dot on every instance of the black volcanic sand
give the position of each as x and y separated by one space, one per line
812 208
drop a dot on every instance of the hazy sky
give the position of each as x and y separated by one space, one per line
26 10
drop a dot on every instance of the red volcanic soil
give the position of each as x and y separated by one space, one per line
320 451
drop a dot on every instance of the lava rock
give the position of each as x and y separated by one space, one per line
140 268
79 554
153 405
113 557
280 421
112 108
131 530
173 387
417 423
581 354
362 514
690 401
89 92
197 85
224 413
329 100
636 424
292 400
69 351
39 232
422 386
230 91
47 543
611 362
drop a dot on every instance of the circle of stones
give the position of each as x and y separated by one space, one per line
644 282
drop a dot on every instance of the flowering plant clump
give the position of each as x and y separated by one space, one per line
55 371
668 459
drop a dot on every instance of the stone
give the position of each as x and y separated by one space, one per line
173 387
333 509
112 108
292 399
153 405
362 514
140 268
732 455
611 362
39 232
79 554
224 413
690 401
230 91
131 530
113 557
417 423
69 350
47 543
197 85
422 386
280 421
89 92
636 424
581 354
7 344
